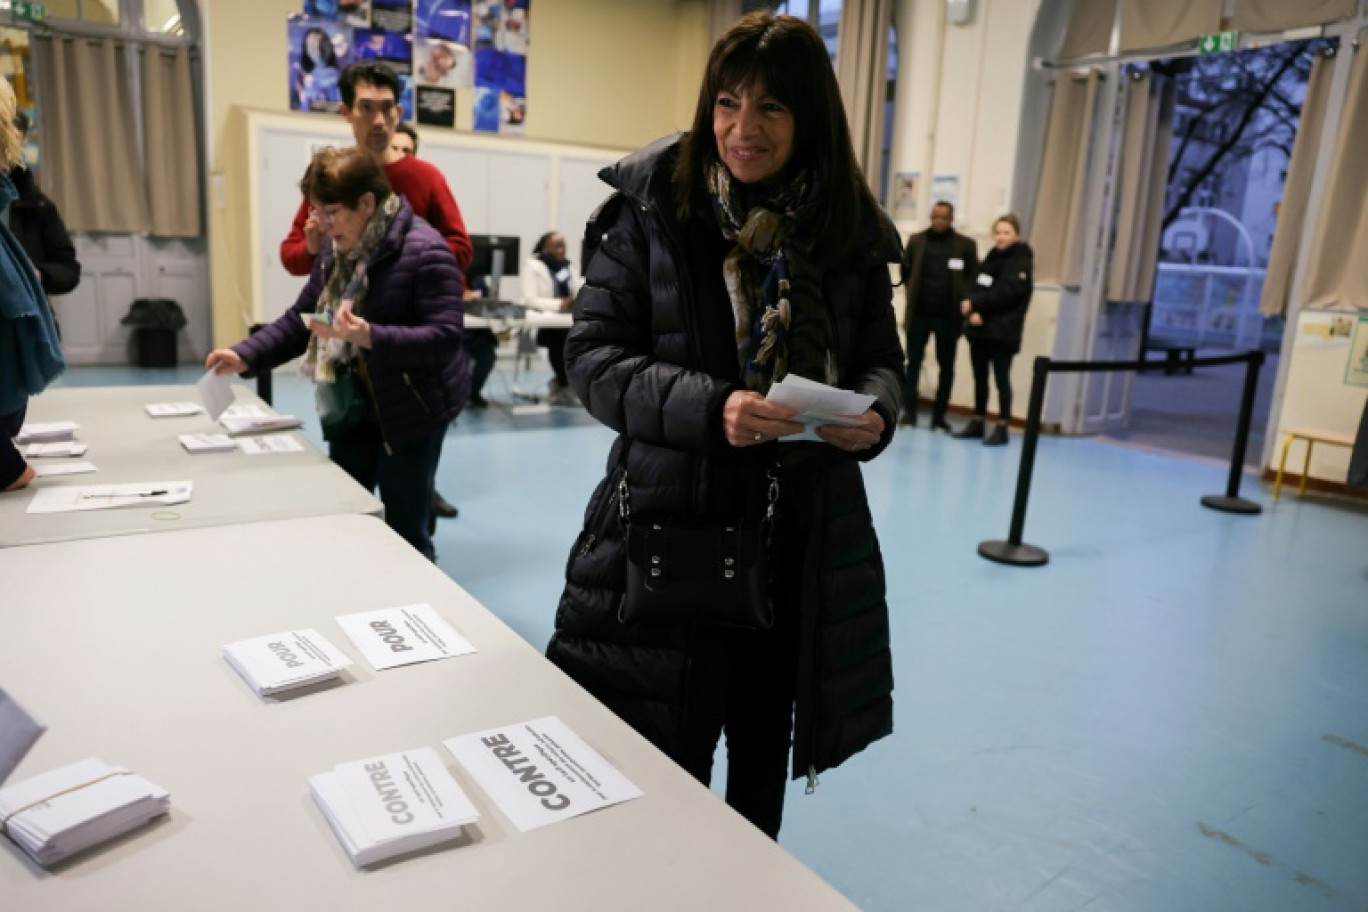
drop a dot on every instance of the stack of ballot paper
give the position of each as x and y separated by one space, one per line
48 432
59 813
207 443
172 409
60 448
282 661
253 419
392 805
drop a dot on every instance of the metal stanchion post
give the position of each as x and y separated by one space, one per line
1231 501
1013 551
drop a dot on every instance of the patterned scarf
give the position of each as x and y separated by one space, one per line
347 281
782 326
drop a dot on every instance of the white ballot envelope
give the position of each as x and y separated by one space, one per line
392 637
18 732
172 409
818 404
216 393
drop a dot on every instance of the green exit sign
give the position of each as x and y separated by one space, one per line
34 12
1220 42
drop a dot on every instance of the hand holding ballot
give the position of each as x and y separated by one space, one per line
802 409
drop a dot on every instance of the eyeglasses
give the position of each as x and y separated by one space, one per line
368 108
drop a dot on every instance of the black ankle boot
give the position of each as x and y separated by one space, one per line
998 437
971 431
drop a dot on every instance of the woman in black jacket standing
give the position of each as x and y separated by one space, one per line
994 314
745 250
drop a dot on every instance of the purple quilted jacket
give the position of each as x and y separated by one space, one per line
420 373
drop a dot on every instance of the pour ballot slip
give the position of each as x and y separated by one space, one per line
283 661
392 637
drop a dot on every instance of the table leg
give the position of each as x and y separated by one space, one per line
1306 468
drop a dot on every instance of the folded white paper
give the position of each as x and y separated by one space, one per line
244 410
265 424
62 448
392 637
216 394
280 443
207 443
818 404
540 772
392 805
283 661
18 732
104 497
64 468
59 813
47 432
172 409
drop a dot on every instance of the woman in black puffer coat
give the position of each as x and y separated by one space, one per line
744 250
994 315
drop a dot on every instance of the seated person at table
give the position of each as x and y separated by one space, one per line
379 325
550 282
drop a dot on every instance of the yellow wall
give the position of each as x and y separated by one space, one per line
601 73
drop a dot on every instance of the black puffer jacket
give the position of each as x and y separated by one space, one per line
636 360
1003 301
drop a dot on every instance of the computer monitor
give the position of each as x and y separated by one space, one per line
496 256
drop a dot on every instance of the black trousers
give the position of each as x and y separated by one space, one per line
12 462
920 328
404 477
984 355
554 341
482 347
741 685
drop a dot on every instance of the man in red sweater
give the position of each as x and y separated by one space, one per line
370 103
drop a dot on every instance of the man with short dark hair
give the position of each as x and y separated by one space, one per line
938 271
370 103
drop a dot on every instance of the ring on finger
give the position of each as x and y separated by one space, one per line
759 436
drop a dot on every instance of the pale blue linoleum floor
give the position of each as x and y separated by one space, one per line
1171 715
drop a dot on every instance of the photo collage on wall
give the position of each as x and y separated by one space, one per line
455 58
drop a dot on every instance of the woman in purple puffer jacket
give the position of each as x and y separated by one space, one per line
379 325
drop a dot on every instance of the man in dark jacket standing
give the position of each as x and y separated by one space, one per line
38 227
938 270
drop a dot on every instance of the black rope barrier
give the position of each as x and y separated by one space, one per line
1016 552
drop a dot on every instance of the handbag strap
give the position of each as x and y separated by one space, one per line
771 497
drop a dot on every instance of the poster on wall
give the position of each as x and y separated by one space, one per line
945 188
1356 371
501 30
390 41
319 49
905 195
1322 329
436 106
442 44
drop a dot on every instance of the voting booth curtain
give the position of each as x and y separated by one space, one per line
92 163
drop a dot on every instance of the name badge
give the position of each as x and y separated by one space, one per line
563 275
957 264
985 280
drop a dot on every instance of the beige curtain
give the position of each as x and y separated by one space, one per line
90 154
1057 230
173 194
1276 15
1143 178
862 71
722 15
1090 28
1160 23
1335 274
1282 258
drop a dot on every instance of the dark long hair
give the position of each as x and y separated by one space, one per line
790 59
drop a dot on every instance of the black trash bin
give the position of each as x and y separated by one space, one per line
155 322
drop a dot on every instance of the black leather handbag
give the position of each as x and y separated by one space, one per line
682 570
